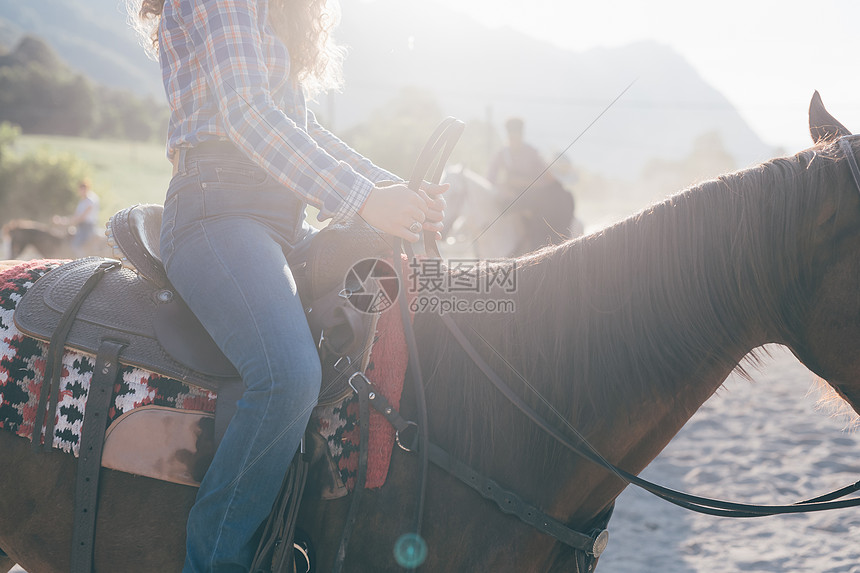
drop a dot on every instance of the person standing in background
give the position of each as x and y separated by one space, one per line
84 219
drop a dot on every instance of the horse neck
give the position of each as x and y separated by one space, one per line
625 333
666 305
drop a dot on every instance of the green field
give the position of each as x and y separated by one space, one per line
123 172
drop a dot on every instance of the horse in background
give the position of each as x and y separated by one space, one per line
484 223
49 241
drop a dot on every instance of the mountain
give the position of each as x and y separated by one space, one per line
483 73
92 37
478 74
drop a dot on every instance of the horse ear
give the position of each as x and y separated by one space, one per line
822 125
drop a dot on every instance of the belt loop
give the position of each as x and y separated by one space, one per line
178 161
183 152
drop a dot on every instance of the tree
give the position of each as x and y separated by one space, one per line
38 185
708 158
42 95
395 134
8 134
122 115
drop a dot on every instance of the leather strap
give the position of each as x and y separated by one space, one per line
360 480
90 455
593 544
695 503
380 403
437 148
414 371
54 359
510 503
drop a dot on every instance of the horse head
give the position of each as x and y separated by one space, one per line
828 342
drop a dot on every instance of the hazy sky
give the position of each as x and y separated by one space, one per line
765 56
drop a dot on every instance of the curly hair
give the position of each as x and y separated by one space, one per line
305 27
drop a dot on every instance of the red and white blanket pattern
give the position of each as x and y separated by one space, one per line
22 367
338 424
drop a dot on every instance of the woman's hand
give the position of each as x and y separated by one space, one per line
397 210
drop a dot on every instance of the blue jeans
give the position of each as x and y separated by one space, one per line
228 238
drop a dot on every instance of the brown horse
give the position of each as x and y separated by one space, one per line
625 333
50 241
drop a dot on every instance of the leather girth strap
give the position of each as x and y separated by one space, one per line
104 376
90 456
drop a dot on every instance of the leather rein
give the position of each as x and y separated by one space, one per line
590 544
705 505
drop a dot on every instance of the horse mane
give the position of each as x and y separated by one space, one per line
623 315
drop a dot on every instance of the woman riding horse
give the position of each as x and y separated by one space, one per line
618 337
248 155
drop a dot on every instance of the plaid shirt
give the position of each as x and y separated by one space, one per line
227 76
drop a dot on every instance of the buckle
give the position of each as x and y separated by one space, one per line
109 265
600 543
413 445
360 375
343 363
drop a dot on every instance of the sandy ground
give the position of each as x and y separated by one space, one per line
764 442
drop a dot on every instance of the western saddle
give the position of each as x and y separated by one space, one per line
124 311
